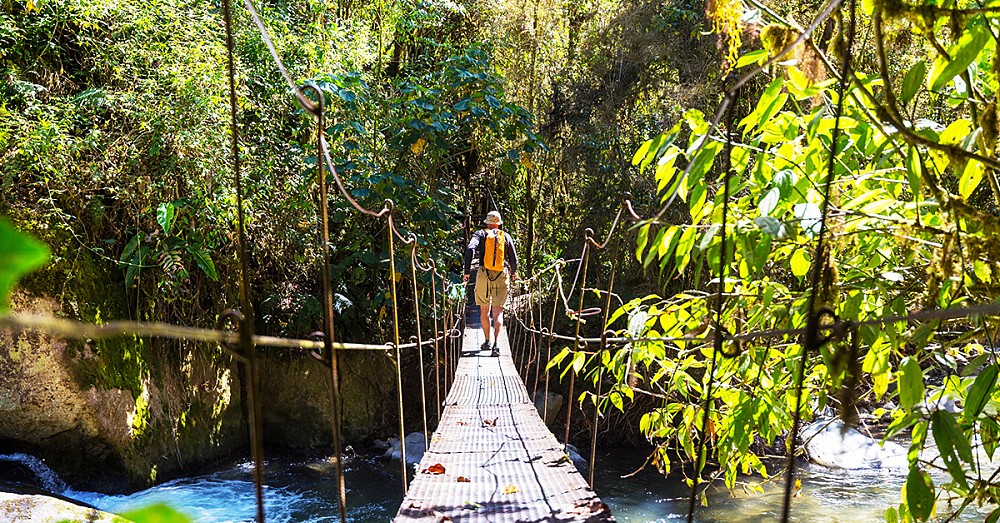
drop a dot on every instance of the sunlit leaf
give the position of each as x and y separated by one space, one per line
971 176
165 216
912 81
158 513
981 391
19 254
911 383
963 53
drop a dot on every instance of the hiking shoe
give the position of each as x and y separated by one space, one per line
495 352
485 345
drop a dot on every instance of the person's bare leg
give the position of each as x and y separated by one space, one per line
484 320
497 322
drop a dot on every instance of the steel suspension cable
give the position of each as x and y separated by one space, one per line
719 302
437 356
576 344
416 308
600 374
329 355
246 346
548 350
399 358
812 339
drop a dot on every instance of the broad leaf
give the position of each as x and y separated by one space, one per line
165 216
911 83
204 261
920 494
19 254
952 444
911 383
971 176
980 392
963 53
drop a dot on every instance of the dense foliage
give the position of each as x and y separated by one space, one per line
911 225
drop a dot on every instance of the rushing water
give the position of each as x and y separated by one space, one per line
301 488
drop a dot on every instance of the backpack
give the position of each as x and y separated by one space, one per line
494 250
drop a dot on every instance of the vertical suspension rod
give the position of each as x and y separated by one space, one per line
328 326
246 318
588 234
420 340
399 356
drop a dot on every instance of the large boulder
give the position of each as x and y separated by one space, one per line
39 508
831 444
138 410
414 442
549 410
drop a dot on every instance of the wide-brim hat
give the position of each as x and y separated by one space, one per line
493 218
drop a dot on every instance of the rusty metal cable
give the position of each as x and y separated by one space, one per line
246 346
588 234
600 376
416 314
437 355
329 355
717 347
812 336
399 358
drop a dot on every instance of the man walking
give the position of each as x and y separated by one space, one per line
497 266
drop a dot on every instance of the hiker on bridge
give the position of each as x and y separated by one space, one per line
495 250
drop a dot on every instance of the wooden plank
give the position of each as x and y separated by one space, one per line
501 463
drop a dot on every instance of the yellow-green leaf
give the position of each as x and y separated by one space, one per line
800 263
970 178
19 254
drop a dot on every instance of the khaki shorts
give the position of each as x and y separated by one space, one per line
491 286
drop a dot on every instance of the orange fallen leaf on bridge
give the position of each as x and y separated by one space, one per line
490 422
510 489
462 479
436 468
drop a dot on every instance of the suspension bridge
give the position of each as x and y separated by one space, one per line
491 458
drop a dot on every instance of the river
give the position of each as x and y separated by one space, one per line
300 489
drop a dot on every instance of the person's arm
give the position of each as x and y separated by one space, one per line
470 251
513 257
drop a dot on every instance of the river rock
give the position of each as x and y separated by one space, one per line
553 407
38 508
138 411
414 448
827 444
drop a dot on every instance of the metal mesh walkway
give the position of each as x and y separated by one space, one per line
500 462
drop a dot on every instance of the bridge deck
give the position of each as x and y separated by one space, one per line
501 464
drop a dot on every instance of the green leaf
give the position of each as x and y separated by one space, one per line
19 254
204 261
971 176
165 216
994 516
913 171
769 202
962 53
980 392
911 83
130 249
919 494
911 383
641 241
753 57
771 226
462 105
952 444
134 265
158 513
